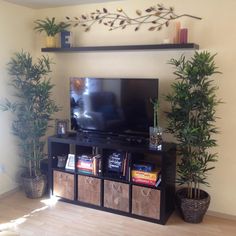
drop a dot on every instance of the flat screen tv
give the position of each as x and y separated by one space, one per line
119 106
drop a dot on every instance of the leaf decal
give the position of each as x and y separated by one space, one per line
156 16
152 28
139 12
158 13
149 10
122 22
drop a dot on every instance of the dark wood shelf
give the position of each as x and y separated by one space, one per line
191 46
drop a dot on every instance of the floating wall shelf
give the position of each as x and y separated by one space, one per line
191 46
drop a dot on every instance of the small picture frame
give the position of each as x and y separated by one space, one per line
70 163
61 128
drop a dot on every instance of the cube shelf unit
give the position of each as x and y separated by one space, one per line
107 193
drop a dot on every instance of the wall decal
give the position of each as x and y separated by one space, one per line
156 17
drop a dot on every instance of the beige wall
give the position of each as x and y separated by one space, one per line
215 33
16 34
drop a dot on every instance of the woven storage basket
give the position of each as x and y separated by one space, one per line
192 210
34 187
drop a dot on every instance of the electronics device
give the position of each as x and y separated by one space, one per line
115 106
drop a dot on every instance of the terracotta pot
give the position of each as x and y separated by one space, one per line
50 41
192 210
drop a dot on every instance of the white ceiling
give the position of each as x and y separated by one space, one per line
54 3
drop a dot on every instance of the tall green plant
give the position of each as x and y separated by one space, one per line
32 107
192 118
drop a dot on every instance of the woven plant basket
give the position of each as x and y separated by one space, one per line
192 210
34 187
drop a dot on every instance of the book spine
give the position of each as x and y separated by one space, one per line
85 172
144 181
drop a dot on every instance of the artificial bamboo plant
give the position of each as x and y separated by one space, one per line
32 108
156 107
192 119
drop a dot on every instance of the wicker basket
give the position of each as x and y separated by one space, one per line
192 210
34 187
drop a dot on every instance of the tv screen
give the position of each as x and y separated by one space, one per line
114 105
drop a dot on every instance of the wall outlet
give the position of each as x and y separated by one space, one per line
2 168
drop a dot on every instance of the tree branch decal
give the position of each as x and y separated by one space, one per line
157 17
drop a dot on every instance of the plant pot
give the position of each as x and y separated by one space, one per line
192 210
50 42
34 187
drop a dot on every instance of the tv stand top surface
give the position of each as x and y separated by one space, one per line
128 143
113 136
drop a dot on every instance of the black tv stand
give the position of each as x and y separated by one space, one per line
111 192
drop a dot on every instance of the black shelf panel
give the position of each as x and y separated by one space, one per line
191 46
159 187
109 145
64 170
89 175
124 181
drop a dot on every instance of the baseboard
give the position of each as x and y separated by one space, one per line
6 194
221 215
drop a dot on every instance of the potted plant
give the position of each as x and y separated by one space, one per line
51 28
155 132
192 122
32 110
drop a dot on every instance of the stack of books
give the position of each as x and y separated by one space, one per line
145 173
87 164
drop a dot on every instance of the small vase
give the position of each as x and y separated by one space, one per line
155 138
50 42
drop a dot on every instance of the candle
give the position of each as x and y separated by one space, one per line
177 32
184 35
